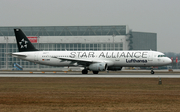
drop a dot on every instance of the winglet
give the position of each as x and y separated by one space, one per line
23 43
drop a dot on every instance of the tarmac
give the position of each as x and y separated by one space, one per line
110 74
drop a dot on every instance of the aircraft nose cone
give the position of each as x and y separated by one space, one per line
168 61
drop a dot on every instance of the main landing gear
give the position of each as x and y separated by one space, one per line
84 71
95 72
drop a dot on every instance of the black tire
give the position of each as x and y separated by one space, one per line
152 72
84 71
95 72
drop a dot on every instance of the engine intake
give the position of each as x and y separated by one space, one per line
98 67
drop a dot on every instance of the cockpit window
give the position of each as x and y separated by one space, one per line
161 55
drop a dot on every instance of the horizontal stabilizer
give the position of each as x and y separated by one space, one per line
17 54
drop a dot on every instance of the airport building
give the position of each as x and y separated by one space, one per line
72 38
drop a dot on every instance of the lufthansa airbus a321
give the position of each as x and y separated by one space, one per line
94 61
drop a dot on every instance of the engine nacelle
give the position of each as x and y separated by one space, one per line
98 67
114 68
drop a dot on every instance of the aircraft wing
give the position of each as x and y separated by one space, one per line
78 61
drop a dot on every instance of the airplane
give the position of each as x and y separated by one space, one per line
94 61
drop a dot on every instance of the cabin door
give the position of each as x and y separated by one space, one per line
35 57
150 57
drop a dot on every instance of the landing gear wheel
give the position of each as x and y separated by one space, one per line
95 72
84 71
152 72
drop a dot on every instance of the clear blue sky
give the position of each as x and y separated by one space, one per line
158 16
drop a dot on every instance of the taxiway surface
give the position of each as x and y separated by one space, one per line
90 75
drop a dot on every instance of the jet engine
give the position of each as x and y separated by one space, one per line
114 68
98 67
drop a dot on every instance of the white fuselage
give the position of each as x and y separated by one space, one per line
111 58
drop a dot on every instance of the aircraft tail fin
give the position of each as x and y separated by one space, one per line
23 43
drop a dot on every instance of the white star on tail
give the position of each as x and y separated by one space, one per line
23 43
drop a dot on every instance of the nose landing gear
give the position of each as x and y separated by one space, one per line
152 71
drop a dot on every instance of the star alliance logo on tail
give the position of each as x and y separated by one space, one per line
23 43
